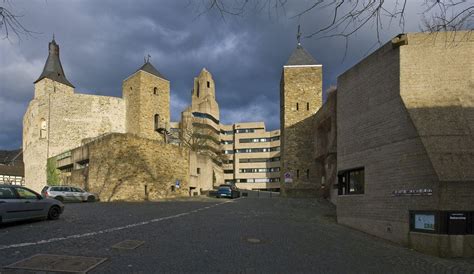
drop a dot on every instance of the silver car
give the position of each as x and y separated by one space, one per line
20 203
68 193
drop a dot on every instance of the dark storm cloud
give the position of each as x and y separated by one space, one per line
103 42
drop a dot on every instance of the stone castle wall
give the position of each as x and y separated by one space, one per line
66 119
128 167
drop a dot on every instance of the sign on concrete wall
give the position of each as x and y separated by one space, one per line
288 177
425 221
413 192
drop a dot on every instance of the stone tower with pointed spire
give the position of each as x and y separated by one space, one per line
147 97
58 119
300 99
53 79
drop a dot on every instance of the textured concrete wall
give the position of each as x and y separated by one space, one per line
437 88
69 118
121 165
146 95
393 121
325 147
209 175
300 86
203 96
375 132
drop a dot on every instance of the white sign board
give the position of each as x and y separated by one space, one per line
288 177
425 221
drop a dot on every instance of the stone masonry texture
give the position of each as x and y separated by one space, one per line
300 99
129 167
68 119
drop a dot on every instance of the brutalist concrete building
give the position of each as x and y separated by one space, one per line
405 143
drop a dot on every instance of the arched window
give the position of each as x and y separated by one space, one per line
157 121
155 90
43 129
197 93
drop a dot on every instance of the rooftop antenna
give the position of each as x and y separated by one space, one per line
147 58
298 35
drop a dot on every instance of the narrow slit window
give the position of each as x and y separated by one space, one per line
208 84
297 173
307 106
155 91
297 106
157 121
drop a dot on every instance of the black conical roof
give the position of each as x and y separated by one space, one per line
53 69
301 57
148 67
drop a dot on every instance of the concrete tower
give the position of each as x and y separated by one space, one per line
147 98
300 99
204 95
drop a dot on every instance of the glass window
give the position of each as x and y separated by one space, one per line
75 189
6 193
351 182
24 193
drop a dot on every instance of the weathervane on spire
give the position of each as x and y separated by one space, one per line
298 36
147 58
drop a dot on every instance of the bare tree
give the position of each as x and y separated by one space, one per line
203 140
10 22
347 17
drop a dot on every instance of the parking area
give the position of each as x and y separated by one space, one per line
252 234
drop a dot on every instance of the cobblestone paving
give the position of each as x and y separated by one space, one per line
246 235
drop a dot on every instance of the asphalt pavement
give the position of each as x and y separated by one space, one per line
256 234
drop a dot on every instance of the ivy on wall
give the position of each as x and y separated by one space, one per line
52 172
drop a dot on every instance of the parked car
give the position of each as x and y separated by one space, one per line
20 203
68 193
228 191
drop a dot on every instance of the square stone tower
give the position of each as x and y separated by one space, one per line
300 99
147 99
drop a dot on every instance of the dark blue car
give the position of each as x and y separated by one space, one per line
227 191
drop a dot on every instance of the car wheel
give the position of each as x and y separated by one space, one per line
53 213
91 199
59 198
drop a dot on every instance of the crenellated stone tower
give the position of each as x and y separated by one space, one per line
147 99
300 99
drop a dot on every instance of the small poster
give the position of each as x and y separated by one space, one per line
178 183
288 178
425 221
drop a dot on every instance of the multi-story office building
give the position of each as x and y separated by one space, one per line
249 154
253 156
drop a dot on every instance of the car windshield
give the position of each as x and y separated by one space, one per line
224 188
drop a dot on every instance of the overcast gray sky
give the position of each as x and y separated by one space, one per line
103 42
